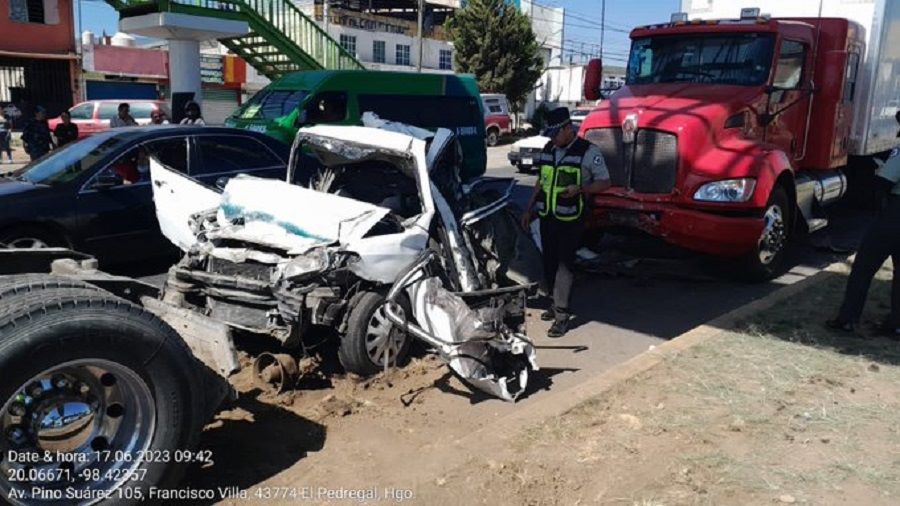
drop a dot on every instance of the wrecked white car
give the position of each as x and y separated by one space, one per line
381 243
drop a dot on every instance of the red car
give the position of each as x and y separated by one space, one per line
497 121
93 116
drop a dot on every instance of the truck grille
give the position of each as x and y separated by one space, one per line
649 165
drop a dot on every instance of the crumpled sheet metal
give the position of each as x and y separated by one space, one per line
178 198
291 217
483 353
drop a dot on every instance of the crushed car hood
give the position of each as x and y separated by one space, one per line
264 212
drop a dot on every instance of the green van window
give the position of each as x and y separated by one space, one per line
271 104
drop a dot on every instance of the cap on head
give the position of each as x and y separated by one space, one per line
556 120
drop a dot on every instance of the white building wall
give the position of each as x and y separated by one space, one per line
365 47
548 24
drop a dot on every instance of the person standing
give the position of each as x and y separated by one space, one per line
881 241
158 117
571 170
123 118
36 135
192 115
65 131
5 137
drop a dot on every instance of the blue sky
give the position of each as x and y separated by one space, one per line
582 20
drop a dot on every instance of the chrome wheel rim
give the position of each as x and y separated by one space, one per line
89 421
28 242
774 235
383 339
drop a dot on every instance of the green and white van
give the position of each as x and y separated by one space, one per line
342 96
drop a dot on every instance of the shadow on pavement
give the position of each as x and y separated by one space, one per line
801 319
252 442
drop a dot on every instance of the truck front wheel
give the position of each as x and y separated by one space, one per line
767 258
95 399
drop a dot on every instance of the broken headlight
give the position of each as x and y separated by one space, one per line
311 263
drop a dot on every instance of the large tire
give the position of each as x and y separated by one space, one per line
767 259
367 326
493 137
31 237
102 359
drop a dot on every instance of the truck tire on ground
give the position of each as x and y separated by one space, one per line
767 258
370 336
99 377
493 137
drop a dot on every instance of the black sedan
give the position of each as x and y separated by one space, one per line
95 196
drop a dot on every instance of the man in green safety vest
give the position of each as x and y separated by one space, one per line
571 170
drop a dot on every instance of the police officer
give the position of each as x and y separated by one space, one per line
571 170
880 242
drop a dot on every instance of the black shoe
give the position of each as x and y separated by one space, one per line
548 315
559 328
841 325
890 330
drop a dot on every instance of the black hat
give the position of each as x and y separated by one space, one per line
556 119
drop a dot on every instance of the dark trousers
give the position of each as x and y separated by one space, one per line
880 242
559 242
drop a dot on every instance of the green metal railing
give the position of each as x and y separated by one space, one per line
282 38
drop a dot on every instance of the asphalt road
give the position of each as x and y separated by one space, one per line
640 294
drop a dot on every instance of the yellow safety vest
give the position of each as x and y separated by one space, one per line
556 178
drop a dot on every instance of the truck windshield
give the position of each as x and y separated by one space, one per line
739 59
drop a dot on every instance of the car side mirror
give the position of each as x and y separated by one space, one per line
106 180
593 79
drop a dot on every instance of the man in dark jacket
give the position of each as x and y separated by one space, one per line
65 131
36 135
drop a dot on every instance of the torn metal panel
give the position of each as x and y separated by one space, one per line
382 258
178 198
292 217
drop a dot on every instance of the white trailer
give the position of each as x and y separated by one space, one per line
877 100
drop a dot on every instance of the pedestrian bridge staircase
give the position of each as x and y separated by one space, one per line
281 40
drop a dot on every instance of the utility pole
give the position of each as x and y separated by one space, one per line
420 40
602 25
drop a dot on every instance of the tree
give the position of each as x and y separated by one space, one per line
494 41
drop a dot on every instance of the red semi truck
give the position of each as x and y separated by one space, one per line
730 135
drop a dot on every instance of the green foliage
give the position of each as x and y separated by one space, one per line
494 41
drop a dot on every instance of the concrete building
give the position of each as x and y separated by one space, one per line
38 60
382 34
548 24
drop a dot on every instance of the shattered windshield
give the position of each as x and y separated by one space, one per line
738 59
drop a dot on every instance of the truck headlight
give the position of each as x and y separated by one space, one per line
729 190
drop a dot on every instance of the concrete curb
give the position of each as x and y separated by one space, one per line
568 399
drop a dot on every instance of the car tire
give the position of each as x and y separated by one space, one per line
493 137
31 237
362 347
111 362
767 258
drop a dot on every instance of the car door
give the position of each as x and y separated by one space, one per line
120 219
219 157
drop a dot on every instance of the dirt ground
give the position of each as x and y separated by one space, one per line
778 410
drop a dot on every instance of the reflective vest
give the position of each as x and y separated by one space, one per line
555 178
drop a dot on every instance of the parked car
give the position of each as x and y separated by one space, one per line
522 153
78 196
578 116
497 120
93 116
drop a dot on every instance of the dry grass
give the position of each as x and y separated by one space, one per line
779 409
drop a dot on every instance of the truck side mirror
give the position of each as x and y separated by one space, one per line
593 79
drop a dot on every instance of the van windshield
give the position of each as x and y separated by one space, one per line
271 104
739 58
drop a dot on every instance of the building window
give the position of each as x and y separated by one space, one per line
378 51
403 54
445 61
349 43
27 11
